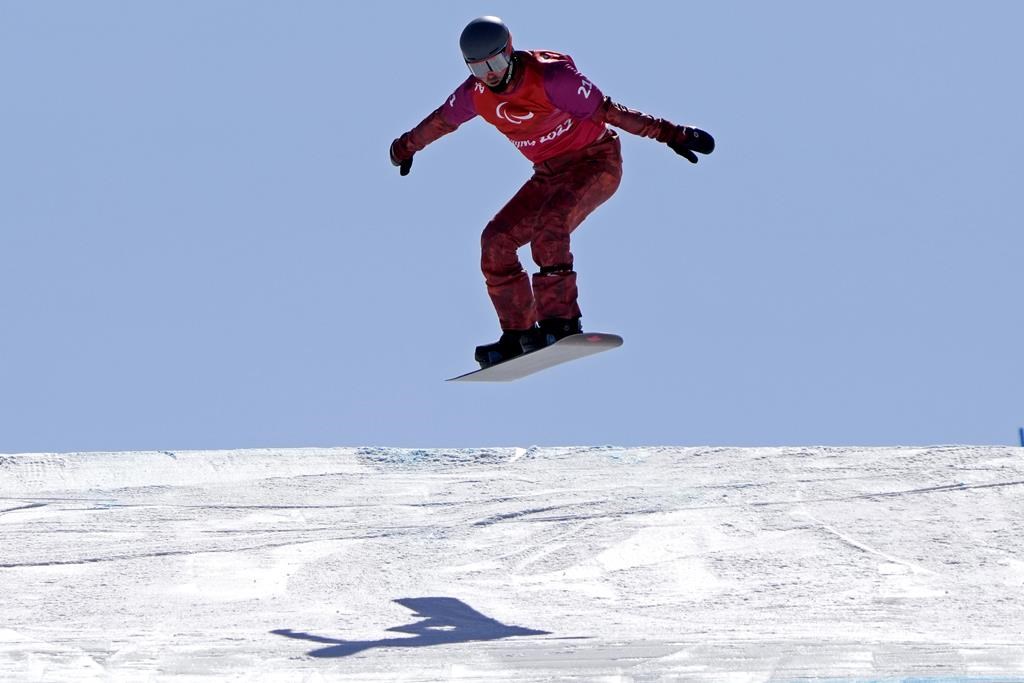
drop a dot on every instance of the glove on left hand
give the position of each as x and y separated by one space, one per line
686 140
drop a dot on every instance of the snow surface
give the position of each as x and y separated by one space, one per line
576 564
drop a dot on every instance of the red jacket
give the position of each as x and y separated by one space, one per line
548 109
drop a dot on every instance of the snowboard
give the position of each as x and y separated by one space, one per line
564 350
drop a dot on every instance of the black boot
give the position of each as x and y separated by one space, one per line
547 332
559 328
508 346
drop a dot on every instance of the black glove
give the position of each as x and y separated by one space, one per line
404 165
686 140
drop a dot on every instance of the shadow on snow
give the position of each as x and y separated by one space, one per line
444 621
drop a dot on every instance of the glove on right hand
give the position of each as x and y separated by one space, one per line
404 165
686 140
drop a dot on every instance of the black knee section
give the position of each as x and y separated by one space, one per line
556 269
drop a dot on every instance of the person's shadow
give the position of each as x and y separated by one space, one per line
444 621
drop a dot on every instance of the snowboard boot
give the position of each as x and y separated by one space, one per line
547 332
553 329
517 342
510 345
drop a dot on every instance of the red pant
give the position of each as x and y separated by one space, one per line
562 192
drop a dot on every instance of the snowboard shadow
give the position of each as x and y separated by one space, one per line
444 621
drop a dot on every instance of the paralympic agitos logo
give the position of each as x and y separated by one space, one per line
511 116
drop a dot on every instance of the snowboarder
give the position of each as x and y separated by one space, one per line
557 118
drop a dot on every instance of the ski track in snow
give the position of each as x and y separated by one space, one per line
525 564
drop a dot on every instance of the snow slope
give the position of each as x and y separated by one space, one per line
579 564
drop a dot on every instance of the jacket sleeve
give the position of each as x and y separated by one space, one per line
456 110
571 91
635 122
428 130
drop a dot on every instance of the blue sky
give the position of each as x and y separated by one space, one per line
203 245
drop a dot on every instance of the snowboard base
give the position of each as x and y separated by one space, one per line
564 350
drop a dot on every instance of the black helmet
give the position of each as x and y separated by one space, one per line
487 48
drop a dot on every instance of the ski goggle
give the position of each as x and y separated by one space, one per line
497 64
